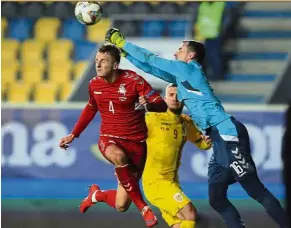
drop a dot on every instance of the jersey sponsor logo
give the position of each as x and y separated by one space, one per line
97 92
122 91
178 197
190 89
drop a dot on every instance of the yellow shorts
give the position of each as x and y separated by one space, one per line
167 196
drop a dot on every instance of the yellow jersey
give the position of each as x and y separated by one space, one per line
167 134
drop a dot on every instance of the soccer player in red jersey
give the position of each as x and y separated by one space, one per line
118 95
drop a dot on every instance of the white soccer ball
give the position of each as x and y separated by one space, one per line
88 13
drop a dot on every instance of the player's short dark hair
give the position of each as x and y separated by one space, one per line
170 85
112 50
197 47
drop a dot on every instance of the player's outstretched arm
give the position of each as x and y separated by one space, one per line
151 70
172 67
87 114
203 142
85 118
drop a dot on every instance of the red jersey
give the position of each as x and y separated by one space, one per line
117 104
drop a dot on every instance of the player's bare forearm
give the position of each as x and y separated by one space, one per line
158 105
85 118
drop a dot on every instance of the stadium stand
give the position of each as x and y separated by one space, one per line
258 52
65 90
9 49
55 55
19 92
45 93
33 33
97 33
46 29
3 26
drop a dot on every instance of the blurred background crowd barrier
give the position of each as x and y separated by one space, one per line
48 58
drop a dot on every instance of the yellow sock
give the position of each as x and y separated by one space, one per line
187 224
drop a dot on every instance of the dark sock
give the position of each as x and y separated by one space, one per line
230 215
273 208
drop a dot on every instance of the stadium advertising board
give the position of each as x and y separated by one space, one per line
30 146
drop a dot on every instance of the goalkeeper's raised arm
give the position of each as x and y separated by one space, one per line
181 67
151 70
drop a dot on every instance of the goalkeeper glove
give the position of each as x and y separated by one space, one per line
114 36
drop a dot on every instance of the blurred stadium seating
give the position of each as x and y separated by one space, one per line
45 50
35 32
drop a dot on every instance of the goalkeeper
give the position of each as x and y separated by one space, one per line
231 161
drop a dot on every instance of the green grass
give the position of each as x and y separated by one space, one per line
68 205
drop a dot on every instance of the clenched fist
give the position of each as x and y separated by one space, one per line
207 139
65 141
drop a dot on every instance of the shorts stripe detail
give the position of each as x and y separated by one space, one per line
229 138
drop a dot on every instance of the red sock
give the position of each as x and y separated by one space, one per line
131 186
108 196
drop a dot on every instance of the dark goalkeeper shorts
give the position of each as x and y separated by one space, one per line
231 160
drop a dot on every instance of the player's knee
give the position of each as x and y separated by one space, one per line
122 207
116 155
257 193
119 158
217 203
254 188
212 201
253 194
189 212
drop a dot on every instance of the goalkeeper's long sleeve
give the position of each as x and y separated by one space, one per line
151 70
174 68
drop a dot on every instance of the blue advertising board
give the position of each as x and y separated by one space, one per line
30 147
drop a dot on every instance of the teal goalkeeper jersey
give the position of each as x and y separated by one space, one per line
194 90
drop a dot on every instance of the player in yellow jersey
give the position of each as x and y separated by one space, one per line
167 134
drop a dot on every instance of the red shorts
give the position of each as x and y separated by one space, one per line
135 151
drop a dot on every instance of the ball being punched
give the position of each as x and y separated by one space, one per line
88 13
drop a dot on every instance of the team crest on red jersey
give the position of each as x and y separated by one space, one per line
122 90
